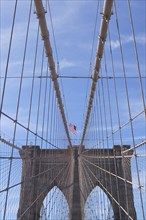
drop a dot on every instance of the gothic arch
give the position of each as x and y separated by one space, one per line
34 190
72 186
94 202
47 191
56 191
105 175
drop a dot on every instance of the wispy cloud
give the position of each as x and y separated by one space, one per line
64 63
18 33
140 39
115 44
65 15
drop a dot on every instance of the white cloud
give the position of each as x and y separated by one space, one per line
65 15
64 63
140 39
19 35
115 44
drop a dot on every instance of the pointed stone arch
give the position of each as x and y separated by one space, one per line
109 177
34 190
57 194
96 203
35 187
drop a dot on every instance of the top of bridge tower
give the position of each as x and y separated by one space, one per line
30 147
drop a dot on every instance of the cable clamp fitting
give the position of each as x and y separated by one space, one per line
99 57
105 17
42 14
45 37
54 76
95 78
39 15
102 39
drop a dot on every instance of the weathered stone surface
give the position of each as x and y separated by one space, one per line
51 162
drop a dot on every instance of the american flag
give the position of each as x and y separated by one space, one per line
73 129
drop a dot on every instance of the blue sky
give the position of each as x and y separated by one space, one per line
75 25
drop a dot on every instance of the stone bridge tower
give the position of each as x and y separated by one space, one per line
35 187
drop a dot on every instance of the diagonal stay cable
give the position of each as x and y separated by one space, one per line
59 173
102 37
90 171
34 176
112 174
21 125
45 36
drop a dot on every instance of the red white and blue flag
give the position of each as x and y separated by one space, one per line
73 129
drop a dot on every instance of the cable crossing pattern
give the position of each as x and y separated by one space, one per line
53 74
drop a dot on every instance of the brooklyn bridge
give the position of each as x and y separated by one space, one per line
72 111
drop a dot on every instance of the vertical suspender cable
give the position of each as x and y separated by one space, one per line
8 58
102 37
45 35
